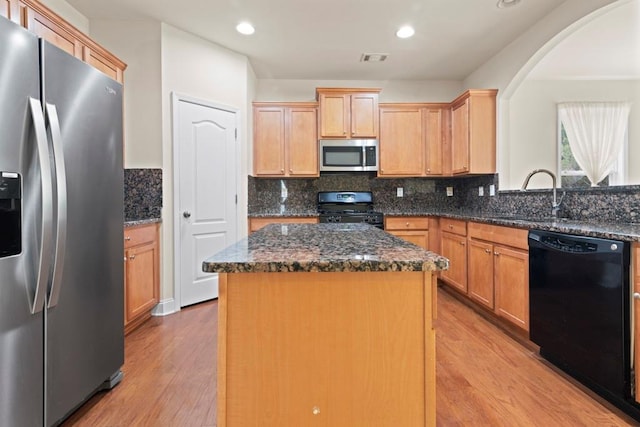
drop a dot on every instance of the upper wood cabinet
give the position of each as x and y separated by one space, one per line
412 139
285 140
56 32
473 132
347 113
10 9
402 150
41 21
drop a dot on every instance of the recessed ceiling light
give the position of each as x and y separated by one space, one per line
507 3
245 28
405 32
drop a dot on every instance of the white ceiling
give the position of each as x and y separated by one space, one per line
324 39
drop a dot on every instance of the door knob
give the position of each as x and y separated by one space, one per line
186 214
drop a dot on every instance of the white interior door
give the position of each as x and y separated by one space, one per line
207 202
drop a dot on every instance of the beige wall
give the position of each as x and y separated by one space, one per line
533 119
137 43
508 69
200 69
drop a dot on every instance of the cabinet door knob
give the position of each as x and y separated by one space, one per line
462 243
487 251
127 238
636 295
132 257
496 253
407 224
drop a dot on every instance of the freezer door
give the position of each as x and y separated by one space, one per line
21 332
84 321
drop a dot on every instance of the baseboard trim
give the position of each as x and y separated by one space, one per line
165 307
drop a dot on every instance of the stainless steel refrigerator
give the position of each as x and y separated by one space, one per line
61 219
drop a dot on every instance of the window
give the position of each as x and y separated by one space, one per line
592 143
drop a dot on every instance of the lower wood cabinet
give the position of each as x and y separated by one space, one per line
499 271
635 285
257 223
453 245
142 272
411 229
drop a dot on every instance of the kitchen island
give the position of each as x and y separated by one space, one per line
327 325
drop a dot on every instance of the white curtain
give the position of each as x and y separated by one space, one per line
596 133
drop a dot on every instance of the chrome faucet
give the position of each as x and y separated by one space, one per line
555 206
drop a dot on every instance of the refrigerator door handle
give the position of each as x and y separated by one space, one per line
61 183
44 266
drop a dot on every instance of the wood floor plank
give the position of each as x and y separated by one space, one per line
484 377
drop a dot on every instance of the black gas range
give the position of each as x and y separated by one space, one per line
348 207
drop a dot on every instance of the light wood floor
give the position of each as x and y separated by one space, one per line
484 377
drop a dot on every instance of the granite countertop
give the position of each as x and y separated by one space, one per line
142 222
322 248
606 230
617 231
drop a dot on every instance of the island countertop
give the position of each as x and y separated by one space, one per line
322 248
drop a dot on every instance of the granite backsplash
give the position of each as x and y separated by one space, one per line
426 195
142 194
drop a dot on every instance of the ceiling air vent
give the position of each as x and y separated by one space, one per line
373 57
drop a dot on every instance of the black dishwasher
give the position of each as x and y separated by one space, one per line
580 312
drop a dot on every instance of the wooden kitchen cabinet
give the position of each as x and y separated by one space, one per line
348 113
142 274
412 139
499 271
41 21
13 10
635 284
481 273
402 150
473 132
285 140
54 31
453 245
257 223
411 229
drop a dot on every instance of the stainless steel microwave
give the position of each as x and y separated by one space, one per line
348 155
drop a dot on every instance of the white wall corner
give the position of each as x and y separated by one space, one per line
165 307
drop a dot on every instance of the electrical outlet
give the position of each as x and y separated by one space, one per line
492 190
481 191
449 191
399 192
